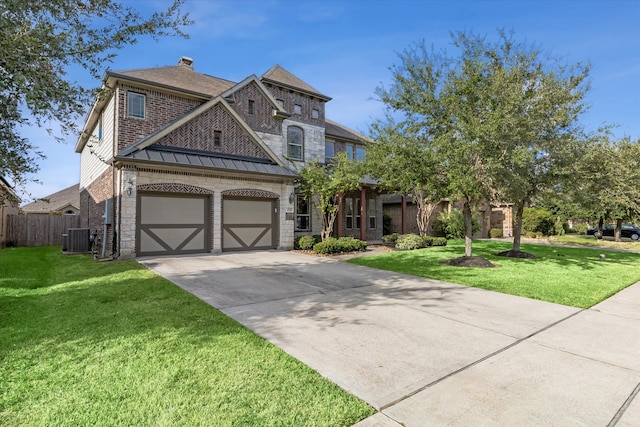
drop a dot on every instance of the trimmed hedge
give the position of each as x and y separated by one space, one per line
495 233
390 238
413 241
335 246
306 242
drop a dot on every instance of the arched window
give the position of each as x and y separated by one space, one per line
295 143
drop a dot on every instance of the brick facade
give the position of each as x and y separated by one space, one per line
92 208
307 103
161 108
198 133
262 119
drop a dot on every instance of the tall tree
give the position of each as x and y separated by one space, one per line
40 42
406 164
326 184
607 182
535 128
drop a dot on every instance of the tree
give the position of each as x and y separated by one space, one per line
406 164
537 103
326 185
446 102
40 41
607 182
500 119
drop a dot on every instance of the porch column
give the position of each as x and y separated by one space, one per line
340 216
363 211
403 215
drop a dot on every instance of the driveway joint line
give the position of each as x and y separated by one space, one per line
616 418
470 365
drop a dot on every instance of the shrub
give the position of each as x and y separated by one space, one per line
390 238
344 244
438 241
410 241
451 224
495 233
306 242
538 220
386 223
579 229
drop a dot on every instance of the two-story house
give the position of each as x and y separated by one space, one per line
174 161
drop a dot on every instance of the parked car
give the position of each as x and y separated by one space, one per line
630 231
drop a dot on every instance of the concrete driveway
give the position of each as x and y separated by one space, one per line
425 352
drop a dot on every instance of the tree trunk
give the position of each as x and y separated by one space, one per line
600 227
517 226
468 228
425 210
617 234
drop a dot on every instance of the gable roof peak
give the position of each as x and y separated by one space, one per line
279 76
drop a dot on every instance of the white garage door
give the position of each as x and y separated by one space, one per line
249 224
172 224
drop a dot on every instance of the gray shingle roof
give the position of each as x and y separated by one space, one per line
279 75
336 129
181 77
56 201
204 160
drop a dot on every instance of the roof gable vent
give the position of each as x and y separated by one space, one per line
185 60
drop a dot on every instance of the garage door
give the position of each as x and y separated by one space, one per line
249 224
172 224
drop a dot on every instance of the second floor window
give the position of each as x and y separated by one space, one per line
252 107
217 138
297 109
315 114
295 143
359 153
135 105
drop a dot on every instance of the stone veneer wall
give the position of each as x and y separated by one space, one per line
313 142
214 183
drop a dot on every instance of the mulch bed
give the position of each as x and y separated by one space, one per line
517 254
470 261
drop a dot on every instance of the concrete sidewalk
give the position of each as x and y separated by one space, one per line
425 352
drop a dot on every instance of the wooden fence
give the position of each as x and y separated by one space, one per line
38 229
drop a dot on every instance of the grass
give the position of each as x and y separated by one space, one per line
565 275
584 240
87 343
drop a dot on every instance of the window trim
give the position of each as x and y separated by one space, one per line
130 104
298 214
290 143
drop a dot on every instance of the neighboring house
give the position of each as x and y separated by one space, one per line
8 206
493 215
174 161
63 202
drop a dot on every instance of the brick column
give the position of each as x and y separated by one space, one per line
340 216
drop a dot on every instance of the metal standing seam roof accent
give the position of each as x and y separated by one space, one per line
207 162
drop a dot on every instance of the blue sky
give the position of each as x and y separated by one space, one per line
345 48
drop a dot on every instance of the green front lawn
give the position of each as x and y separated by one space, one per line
87 343
564 275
